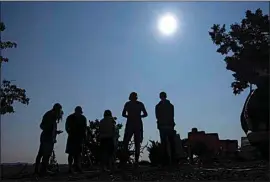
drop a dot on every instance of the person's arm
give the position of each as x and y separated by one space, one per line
85 128
172 111
156 112
101 127
157 115
114 127
124 112
58 131
67 126
173 115
145 114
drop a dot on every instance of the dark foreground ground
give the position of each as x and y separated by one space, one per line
244 171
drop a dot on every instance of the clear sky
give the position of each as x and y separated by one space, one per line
94 54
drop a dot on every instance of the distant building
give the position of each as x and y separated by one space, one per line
202 143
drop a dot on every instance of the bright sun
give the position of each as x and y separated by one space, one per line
167 24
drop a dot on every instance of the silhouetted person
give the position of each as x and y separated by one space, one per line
134 125
165 123
48 137
76 125
107 139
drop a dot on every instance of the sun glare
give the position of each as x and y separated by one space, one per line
167 24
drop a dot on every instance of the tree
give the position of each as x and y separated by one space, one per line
246 48
9 92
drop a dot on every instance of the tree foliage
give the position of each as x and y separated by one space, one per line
9 92
246 48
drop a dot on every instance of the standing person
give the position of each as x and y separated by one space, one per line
165 123
76 126
48 137
107 137
134 125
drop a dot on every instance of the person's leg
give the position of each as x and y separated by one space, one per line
77 150
70 163
115 145
163 142
48 148
138 138
111 150
103 150
70 152
38 159
77 161
171 139
40 153
127 137
44 164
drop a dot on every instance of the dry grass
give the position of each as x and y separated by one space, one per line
245 171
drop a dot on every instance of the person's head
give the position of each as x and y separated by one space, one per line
107 113
133 96
163 95
78 110
57 109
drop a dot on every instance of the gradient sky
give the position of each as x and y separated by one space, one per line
94 54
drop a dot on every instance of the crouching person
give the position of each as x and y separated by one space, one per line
107 140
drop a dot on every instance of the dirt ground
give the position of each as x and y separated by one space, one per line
244 171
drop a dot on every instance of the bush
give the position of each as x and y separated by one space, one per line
155 152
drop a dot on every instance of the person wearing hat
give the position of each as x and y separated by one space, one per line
134 111
76 126
48 137
164 111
